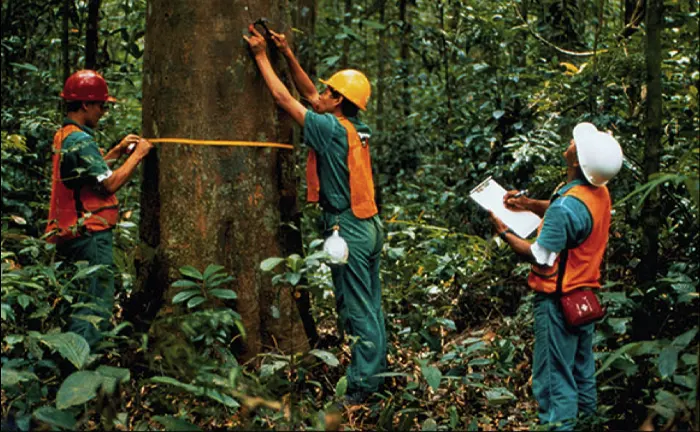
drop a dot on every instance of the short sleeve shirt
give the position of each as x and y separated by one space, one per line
567 221
81 160
325 135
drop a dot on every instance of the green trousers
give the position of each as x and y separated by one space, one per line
563 366
359 297
97 290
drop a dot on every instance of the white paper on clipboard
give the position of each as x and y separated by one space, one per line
489 195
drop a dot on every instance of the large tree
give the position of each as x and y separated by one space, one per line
216 204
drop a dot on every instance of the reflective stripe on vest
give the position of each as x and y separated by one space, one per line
360 167
583 264
69 205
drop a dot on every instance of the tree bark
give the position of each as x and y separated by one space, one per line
404 53
91 34
65 41
304 19
347 21
205 205
651 212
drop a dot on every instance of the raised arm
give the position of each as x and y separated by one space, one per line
280 93
303 83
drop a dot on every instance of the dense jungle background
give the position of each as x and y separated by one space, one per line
462 90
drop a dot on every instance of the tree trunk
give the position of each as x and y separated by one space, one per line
405 55
347 21
304 19
651 217
91 34
65 41
205 205
381 69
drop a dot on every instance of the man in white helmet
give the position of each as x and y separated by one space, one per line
568 251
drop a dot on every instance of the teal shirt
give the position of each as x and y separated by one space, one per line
567 221
325 134
81 159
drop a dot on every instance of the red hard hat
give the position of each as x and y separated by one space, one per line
86 85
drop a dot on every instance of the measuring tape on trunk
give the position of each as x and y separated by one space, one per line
215 143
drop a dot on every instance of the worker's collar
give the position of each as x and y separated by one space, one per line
562 190
68 121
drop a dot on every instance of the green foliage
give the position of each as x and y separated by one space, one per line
461 91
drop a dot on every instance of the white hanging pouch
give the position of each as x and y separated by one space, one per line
336 247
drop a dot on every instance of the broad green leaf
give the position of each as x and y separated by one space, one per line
341 387
668 361
432 376
223 399
55 417
78 388
316 256
686 338
192 272
327 357
315 243
71 346
480 361
12 377
195 301
215 282
498 396
122 375
184 295
631 348
211 270
13 339
270 263
293 278
429 425
95 320
185 283
87 271
619 325
172 381
175 424
223 293
373 24
294 261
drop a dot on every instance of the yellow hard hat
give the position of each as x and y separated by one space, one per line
353 85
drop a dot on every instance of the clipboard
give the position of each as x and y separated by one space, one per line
489 195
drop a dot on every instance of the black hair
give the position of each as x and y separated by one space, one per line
348 108
73 106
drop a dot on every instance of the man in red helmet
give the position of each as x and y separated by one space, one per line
84 208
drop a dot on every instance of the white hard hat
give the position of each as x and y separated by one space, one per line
599 154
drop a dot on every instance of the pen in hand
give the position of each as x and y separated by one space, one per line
519 194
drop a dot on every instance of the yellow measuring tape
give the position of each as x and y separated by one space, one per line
221 143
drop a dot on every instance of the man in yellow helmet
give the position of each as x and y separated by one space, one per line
339 178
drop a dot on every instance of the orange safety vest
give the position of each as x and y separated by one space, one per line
360 166
98 212
583 263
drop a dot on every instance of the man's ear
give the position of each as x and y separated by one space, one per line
84 105
339 100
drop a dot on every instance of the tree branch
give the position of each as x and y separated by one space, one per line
550 44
